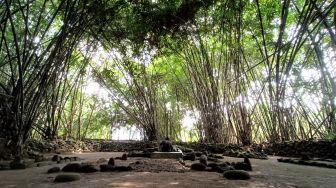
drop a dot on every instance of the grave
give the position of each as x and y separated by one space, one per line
166 155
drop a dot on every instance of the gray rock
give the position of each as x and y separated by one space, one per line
88 168
72 167
106 168
74 158
198 153
139 154
67 159
213 159
217 156
110 168
101 160
40 158
44 163
204 160
237 175
56 158
67 177
181 161
4 165
54 170
189 156
227 168
198 167
140 162
17 164
242 166
248 162
212 165
60 161
124 157
123 168
111 161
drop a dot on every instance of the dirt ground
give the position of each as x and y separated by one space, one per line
266 173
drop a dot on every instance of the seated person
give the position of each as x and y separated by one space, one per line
166 145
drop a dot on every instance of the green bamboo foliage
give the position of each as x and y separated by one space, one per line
241 65
240 72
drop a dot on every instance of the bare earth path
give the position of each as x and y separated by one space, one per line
266 173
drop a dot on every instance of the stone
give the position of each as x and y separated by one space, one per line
54 170
166 155
101 160
241 166
181 161
39 158
220 168
67 177
212 165
305 157
88 168
150 150
198 166
105 168
213 159
138 154
283 160
72 167
74 158
248 162
44 163
139 162
185 149
4 165
124 157
198 153
166 145
110 168
204 160
217 156
67 159
17 163
56 158
224 164
189 156
236 175
123 168
227 168
3 152
111 161
60 161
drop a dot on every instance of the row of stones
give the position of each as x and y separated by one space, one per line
230 170
314 148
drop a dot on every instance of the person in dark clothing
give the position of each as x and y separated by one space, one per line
166 145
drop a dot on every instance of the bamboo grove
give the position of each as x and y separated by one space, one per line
248 70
